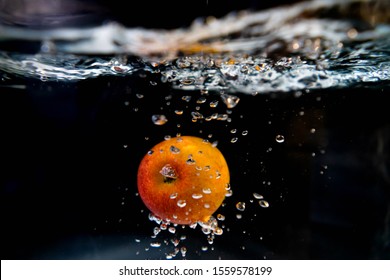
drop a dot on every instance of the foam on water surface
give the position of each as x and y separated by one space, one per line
283 49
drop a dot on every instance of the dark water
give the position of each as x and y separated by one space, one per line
72 142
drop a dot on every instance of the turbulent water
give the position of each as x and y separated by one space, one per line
309 45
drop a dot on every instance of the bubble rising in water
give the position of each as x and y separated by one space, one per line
240 206
279 138
159 119
264 203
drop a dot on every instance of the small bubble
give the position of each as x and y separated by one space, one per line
206 190
186 98
155 244
352 33
193 225
213 104
264 203
206 205
238 216
190 160
201 100
220 217
159 119
313 130
168 172
196 115
279 138
183 251
174 150
257 196
245 132
187 82
234 140
156 231
164 226
229 193
172 229
181 203
175 241
179 112
197 196
230 100
218 231
173 196
240 206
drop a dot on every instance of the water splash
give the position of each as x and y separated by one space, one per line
309 45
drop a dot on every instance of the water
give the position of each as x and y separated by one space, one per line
253 52
295 97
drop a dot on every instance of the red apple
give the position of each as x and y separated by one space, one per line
183 180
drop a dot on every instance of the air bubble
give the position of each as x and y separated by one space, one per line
206 190
220 217
181 203
186 98
155 244
183 251
230 100
257 196
197 196
156 231
172 230
201 100
264 203
159 119
168 172
190 160
173 196
229 193
240 206
213 104
174 150
279 138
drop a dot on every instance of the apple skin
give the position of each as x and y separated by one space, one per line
196 173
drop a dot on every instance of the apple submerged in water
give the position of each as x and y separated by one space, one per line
183 180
